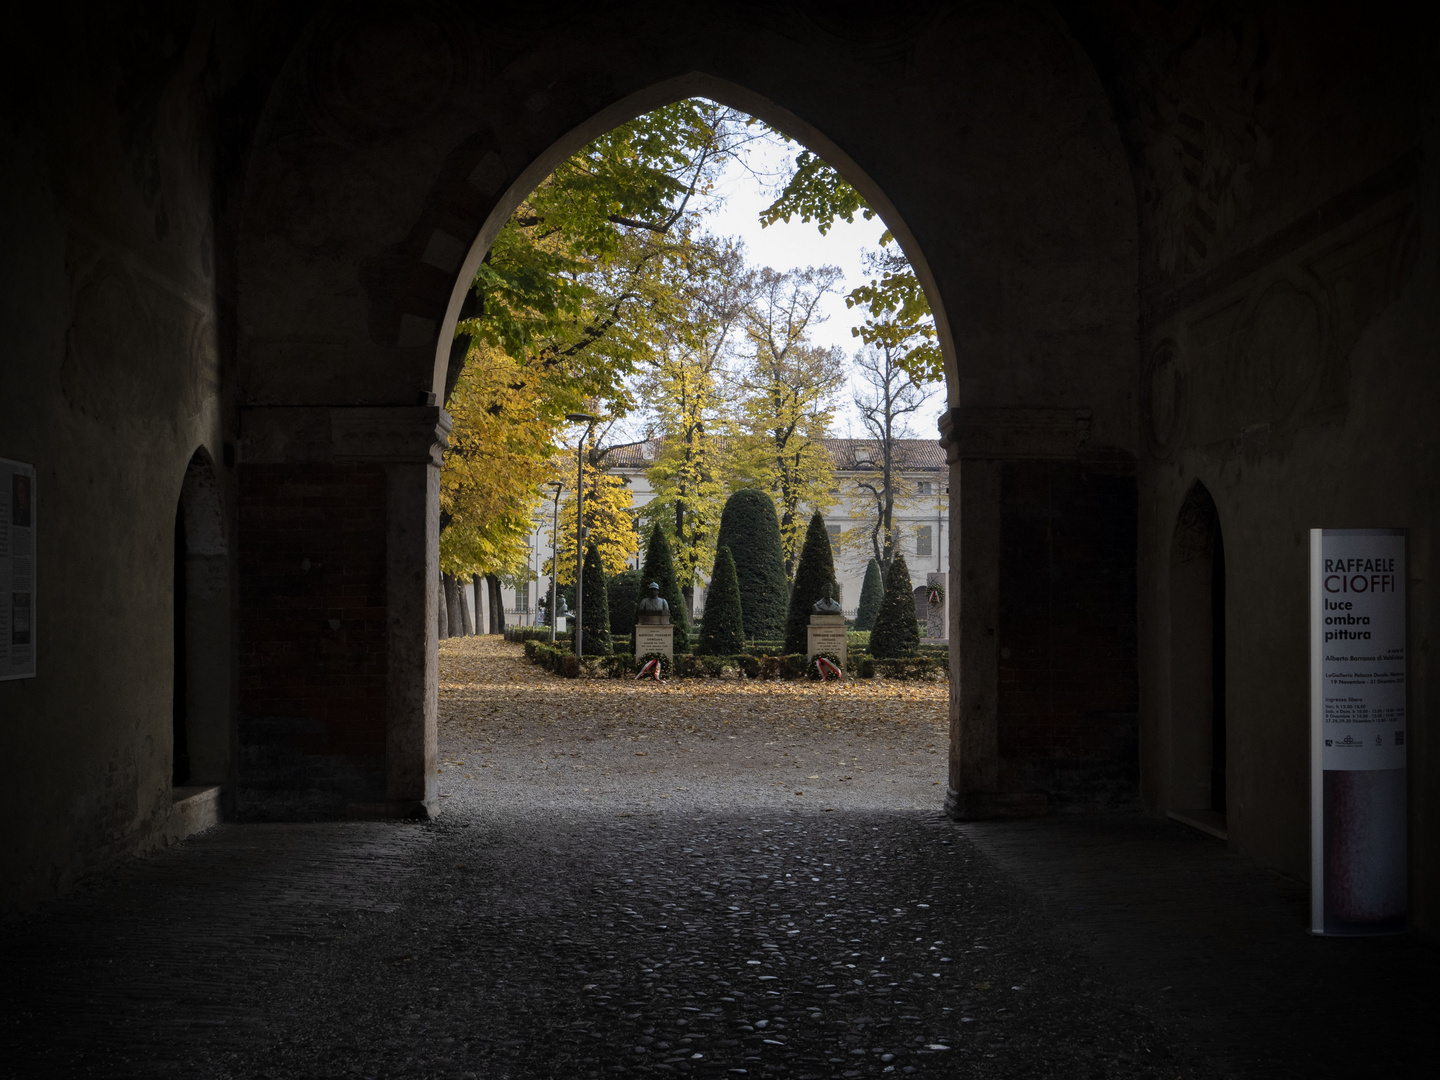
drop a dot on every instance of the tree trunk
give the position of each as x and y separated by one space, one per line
497 606
444 619
467 621
477 590
452 605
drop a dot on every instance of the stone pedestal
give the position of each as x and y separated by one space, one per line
654 633
937 623
826 634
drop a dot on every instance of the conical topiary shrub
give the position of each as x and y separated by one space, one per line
660 568
722 631
596 628
870 595
751 530
624 594
815 570
895 632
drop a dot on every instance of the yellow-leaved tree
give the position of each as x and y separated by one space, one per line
609 521
688 392
790 388
501 442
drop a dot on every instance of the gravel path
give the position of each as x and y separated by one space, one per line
626 881
514 736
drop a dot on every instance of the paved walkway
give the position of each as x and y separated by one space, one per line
733 929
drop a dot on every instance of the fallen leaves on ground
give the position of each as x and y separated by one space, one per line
499 711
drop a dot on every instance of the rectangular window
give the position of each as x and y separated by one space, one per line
925 487
923 542
833 530
522 596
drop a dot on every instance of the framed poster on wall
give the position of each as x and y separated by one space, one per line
1359 882
17 570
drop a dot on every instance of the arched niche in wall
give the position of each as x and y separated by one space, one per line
1197 664
201 726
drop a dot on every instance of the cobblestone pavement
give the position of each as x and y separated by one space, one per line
734 929
568 945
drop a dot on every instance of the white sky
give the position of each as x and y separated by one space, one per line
741 195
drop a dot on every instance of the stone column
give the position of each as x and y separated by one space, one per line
974 618
410 443
340 520
984 445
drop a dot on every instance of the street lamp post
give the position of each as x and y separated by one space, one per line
589 421
554 553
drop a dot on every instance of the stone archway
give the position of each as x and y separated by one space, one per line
395 142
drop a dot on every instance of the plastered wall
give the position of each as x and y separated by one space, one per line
110 378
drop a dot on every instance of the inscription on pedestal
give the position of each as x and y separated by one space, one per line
653 638
826 634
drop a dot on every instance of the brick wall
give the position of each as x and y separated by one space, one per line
312 638
1068 694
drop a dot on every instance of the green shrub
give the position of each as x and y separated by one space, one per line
624 594
871 593
786 666
866 668
617 665
722 631
750 528
815 570
596 614
749 666
531 633
660 568
896 632
911 667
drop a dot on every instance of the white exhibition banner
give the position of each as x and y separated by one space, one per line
17 570
1358 853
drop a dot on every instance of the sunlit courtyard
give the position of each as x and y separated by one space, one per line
515 736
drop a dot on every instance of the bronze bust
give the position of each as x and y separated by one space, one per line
825 605
654 604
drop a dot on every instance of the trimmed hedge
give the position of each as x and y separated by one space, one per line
896 633
750 528
722 630
871 594
596 630
534 633
815 570
624 593
625 665
621 665
556 661
562 662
